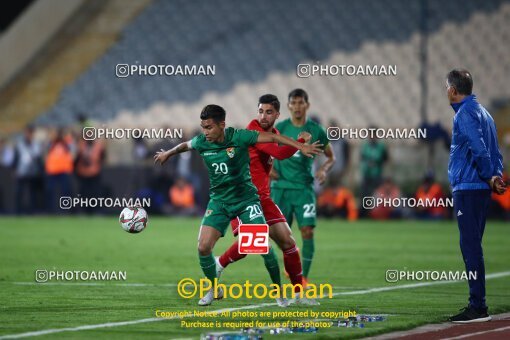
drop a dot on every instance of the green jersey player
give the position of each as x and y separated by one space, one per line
232 193
292 186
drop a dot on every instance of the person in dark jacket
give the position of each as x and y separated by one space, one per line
475 168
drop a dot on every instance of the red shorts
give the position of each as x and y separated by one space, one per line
272 214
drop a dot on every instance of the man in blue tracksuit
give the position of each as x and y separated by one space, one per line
475 168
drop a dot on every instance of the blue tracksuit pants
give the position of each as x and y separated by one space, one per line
470 207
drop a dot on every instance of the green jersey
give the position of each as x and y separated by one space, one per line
296 172
228 164
373 157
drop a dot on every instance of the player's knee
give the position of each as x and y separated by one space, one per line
204 249
287 243
307 232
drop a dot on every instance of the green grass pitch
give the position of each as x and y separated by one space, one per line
350 256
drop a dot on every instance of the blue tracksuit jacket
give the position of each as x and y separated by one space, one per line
474 152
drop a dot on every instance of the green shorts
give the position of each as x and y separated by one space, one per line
300 203
218 215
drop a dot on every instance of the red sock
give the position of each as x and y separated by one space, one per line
292 263
231 255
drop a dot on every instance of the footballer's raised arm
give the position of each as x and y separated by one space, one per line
162 156
306 149
279 152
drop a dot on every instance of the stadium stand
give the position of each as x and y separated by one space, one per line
253 46
256 49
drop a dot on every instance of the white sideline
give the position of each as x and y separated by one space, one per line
134 322
126 284
479 333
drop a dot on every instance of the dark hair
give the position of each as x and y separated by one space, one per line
214 112
461 80
299 93
270 99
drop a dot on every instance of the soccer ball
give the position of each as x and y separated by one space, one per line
133 219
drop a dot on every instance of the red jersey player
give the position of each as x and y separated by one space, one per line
261 161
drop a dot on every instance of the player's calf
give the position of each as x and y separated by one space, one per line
206 241
308 249
282 235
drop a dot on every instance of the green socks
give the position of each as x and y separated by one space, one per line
307 255
208 266
271 263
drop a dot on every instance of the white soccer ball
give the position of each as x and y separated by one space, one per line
133 219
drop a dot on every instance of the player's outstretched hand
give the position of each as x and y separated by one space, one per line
312 149
305 135
498 185
161 157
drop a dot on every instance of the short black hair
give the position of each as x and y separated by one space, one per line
214 112
270 99
461 80
298 93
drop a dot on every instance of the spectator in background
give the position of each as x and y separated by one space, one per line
82 121
7 152
29 171
88 165
432 191
326 202
182 198
164 177
387 190
373 156
337 201
500 204
59 168
140 150
137 177
185 162
341 149
6 160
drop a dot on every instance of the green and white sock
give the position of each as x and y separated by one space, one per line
271 263
307 255
208 266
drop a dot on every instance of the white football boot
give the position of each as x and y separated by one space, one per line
282 302
297 300
209 297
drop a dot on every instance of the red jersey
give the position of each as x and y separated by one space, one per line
261 160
